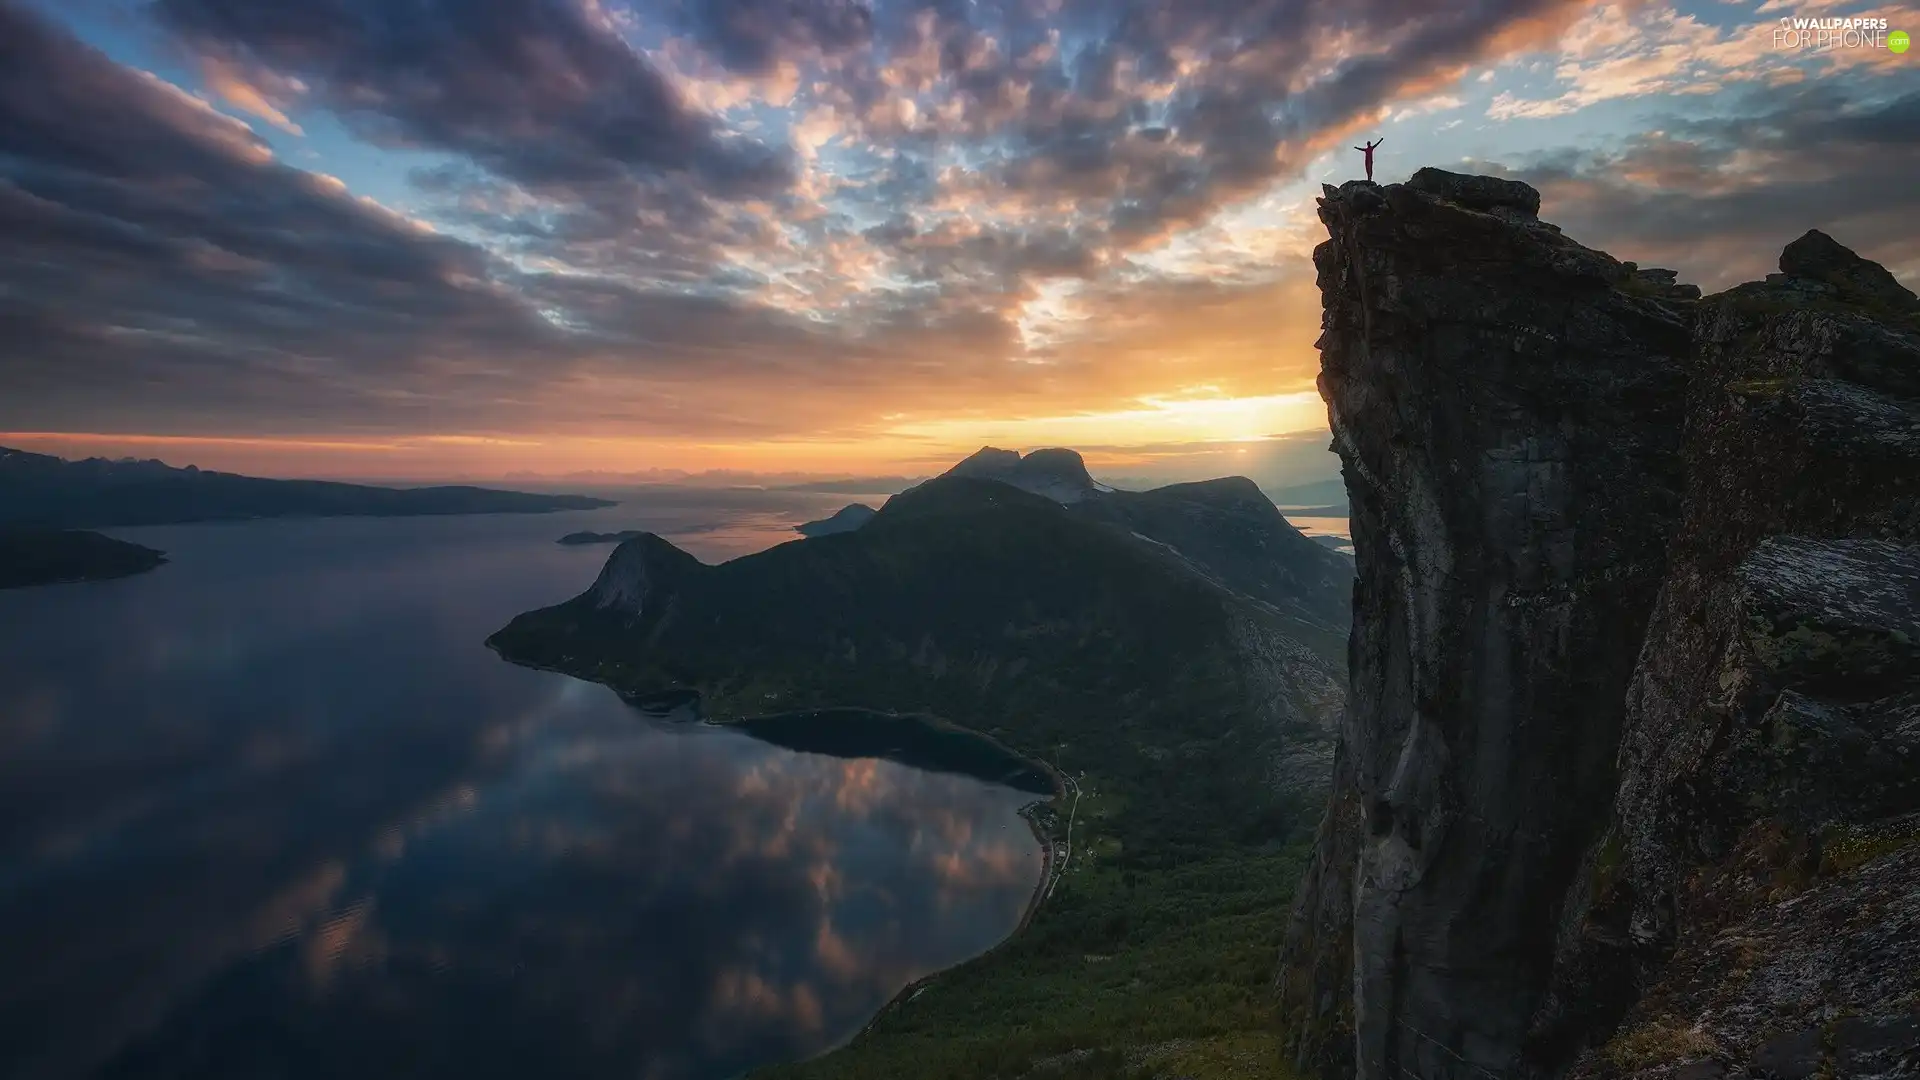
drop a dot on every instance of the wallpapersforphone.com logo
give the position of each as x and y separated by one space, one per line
1850 32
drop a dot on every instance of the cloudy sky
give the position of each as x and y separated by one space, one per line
462 238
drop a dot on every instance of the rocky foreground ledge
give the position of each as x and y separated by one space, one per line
1629 784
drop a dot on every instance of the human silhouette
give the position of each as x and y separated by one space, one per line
1368 150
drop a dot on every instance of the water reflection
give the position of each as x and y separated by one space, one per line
1324 526
274 810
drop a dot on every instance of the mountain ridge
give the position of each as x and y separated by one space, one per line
44 491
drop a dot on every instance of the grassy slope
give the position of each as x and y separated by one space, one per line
1070 642
1123 973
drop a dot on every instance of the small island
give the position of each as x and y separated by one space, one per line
58 556
620 537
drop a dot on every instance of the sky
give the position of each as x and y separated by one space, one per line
475 238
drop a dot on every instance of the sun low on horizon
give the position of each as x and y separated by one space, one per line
356 238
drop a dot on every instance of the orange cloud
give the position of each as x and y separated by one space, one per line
237 90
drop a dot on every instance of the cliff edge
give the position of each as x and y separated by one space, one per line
1633 659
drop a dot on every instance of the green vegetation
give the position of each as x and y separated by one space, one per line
46 557
1068 639
1122 974
1847 848
1065 639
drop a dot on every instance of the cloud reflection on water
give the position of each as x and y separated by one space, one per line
274 808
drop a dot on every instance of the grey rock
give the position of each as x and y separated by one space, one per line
1877 1048
1629 781
1791 1057
1477 192
1820 257
1487 386
1845 612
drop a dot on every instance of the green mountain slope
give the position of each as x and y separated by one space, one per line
991 608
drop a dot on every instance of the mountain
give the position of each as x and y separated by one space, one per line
52 556
575 539
1222 529
1056 474
992 608
1228 531
49 492
1320 493
1135 650
1628 785
845 519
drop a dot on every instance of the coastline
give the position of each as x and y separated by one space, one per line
1028 813
1041 891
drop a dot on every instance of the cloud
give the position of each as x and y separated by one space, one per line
652 221
264 100
753 35
1018 140
159 258
1718 197
542 92
1630 50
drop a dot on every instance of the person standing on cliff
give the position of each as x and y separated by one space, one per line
1368 150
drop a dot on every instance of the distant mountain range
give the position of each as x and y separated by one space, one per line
43 491
1321 495
56 556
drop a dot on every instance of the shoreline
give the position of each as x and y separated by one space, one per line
1041 890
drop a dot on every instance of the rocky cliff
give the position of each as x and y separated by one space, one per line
1633 658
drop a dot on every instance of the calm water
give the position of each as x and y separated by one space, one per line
1323 526
273 810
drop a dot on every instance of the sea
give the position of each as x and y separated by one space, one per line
273 810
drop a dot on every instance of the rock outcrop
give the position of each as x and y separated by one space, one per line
1055 473
1633 664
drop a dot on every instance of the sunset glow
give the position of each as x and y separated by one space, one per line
615 236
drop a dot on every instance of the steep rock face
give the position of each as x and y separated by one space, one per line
1508 420
1754 903
1630 778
